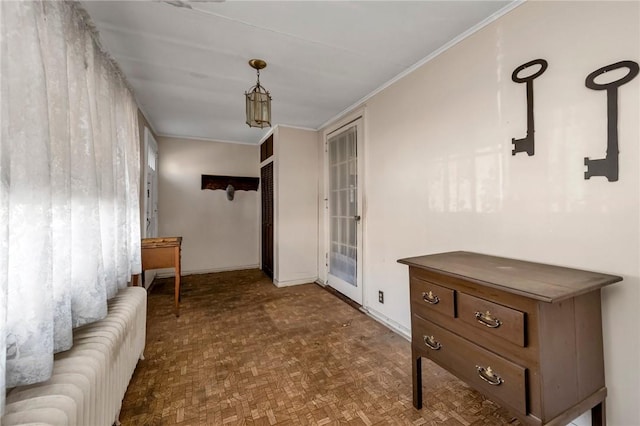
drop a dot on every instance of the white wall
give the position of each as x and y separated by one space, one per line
217 234
295 206
439 174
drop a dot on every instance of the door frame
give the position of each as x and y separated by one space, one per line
358 117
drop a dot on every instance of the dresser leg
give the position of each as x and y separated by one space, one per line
599 415
176 264
416 363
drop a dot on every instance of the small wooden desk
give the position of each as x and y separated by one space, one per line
163 252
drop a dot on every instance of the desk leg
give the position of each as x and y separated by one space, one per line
416 364
177 280
134 280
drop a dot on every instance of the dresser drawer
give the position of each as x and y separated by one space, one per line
488 372
428 297
499 320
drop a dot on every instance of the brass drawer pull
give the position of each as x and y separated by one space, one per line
488 320
430 298
489 376
432 343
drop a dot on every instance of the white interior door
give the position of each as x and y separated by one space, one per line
151 186
151 195
344 260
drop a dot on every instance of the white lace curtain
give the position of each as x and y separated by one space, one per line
69 183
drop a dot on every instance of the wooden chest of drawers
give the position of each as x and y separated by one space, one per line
527 335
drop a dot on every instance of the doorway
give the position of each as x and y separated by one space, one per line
151 185
150 198
344 257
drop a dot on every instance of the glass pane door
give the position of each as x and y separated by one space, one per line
343 213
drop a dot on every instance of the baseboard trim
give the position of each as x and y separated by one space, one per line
288 283
172 273
388 322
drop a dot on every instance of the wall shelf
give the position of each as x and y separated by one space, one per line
239 183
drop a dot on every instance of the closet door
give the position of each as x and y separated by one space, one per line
266 175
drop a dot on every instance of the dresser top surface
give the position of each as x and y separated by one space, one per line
546 283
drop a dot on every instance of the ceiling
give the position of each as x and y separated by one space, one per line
187 60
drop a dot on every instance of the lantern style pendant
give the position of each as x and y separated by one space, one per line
258 100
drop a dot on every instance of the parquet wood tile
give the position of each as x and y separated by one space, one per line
244 352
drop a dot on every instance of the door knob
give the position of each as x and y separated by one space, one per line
356 218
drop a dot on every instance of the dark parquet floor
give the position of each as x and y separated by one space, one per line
245 352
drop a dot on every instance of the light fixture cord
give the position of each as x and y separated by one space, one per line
258 82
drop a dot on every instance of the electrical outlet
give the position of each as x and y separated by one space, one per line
380 296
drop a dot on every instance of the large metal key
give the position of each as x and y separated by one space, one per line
527 143
608 166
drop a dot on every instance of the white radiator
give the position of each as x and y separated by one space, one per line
89 380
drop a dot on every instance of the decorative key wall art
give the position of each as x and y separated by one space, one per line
608 166
527 144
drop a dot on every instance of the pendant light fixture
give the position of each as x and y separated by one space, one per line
258 100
